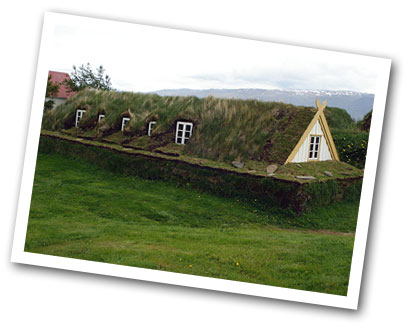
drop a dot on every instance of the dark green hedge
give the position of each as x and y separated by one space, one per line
270 192
352 147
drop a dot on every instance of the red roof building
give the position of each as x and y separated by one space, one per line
60 77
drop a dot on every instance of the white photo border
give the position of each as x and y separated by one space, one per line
20 256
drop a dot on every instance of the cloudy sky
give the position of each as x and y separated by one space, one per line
145 58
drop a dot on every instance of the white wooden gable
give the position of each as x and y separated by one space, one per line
324 151
318 129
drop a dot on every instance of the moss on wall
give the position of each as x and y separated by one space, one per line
283 194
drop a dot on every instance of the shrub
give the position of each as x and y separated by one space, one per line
352 147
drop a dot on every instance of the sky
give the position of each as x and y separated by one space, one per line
145 58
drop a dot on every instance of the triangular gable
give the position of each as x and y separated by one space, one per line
321 119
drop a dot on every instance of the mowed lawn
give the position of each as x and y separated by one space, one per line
79 211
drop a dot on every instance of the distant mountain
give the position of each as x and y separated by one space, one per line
357 104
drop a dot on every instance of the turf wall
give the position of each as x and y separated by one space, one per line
283 194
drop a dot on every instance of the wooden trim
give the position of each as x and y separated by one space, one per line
319 106
302 139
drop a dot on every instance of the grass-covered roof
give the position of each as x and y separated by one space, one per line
224 129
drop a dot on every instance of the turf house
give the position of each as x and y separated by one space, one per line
278 153
223 130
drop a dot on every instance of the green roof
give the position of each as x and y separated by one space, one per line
224 129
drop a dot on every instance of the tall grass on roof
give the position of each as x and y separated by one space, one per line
224 129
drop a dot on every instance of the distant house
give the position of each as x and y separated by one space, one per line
63 94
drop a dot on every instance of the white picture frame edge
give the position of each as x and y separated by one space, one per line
20 256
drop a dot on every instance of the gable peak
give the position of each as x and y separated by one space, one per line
320 106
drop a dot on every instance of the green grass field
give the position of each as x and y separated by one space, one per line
79 211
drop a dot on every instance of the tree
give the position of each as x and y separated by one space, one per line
84 76
51 91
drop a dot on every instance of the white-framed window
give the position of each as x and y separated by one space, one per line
183 132
150 126
78 116
101 116
125 120
314 142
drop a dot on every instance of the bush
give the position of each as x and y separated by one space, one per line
350 138
352 147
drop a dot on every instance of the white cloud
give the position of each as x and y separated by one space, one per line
145 58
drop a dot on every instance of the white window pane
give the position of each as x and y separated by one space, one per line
124 122
78 116
184 132
150 126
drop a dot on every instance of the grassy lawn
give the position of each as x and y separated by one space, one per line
82 212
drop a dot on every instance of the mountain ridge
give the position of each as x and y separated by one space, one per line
357 104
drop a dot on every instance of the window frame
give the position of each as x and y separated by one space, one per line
150 124
182 137
316 147
78 115
124 121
